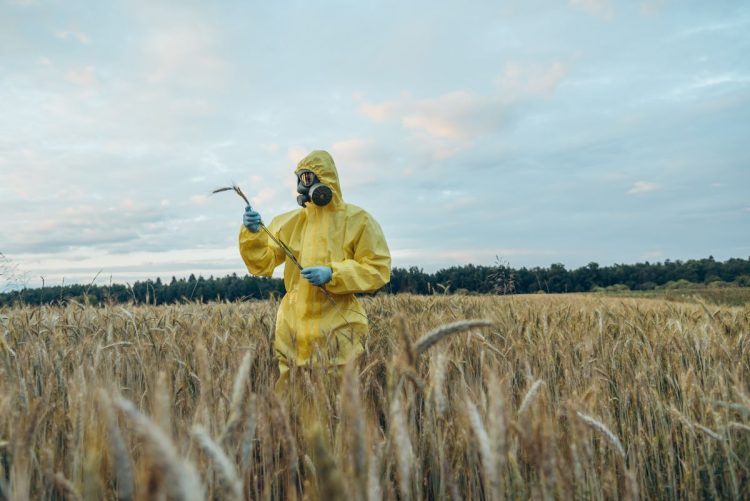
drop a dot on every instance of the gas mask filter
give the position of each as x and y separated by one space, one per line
310 189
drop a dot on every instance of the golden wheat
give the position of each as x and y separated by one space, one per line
505 414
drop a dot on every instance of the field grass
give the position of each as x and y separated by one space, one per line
729 296
560 397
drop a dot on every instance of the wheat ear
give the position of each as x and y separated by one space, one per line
352 407
601 428
118 449
434 336
330 482
438 382
226 468
486 451
182 480
66 487
238 395
374 490
530 396
404 450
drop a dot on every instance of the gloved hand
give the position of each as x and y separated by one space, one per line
251 219
317 275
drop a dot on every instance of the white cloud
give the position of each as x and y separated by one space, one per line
296 153
640 187
183 50
162 89
360 162
208 94
450 122
351 150
265 197
651 8
599 8
73 34
270 148
85 77
23 3
377 112
722 79
451 116
199 199
524 80
652 254
712 28
83 265
446 257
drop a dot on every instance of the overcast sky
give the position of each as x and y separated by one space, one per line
552 131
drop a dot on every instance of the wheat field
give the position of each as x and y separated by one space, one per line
456 397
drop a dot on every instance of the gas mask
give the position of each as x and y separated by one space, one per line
310 189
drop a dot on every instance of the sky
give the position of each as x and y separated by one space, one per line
533 132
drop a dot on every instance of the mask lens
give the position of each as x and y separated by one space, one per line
307 178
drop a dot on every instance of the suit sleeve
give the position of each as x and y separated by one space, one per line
370 267
260 254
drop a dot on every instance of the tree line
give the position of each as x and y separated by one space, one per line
499 278
556 278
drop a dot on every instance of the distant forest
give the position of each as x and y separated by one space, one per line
468 279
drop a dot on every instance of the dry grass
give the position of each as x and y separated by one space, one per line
545 397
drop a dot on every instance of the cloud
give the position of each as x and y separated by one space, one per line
713 28
599 8
199 199
73 35
352 150
377 112
181 47
83 265
653 254
699 88
296 153
56 225
447 257
23 3
160 86
85 77
651 8
721 79
361 162
197 96
264 197
450 116
186 55
529 80
450 122
640 187
269 148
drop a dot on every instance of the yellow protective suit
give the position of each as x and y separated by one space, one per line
341 236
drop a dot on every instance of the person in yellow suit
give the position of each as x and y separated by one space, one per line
342 251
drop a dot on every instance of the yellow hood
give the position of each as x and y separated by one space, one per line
321 163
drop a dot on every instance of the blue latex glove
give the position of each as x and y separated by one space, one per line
317 275
251 219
